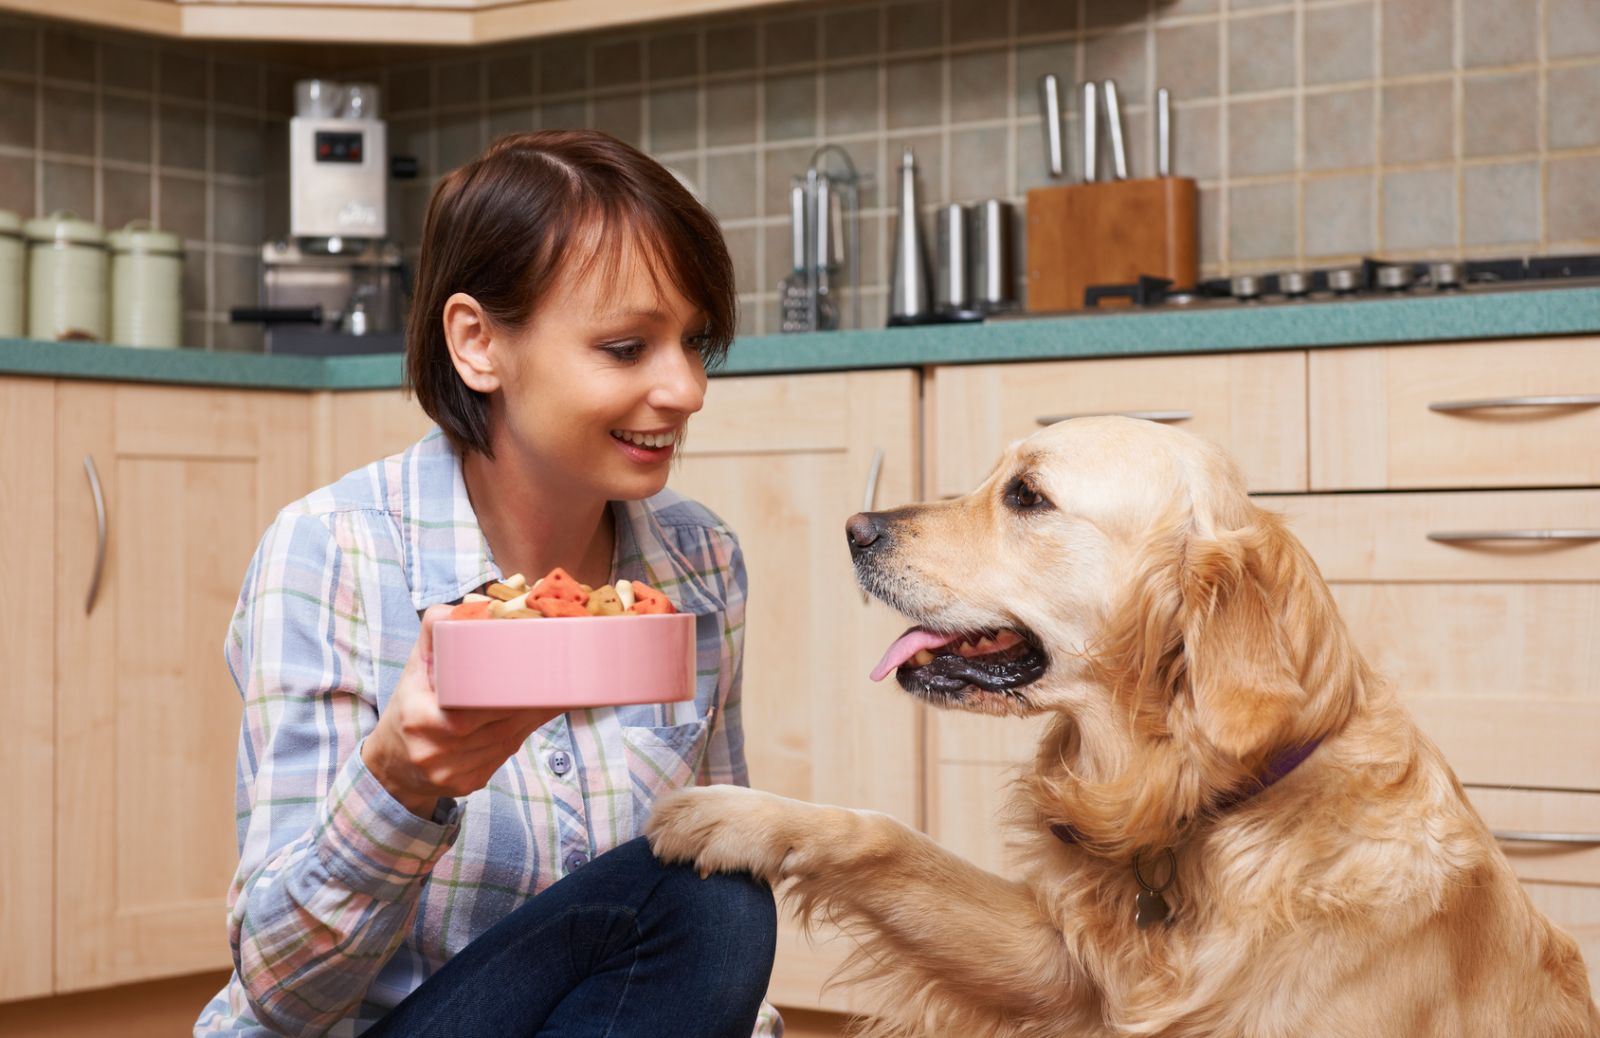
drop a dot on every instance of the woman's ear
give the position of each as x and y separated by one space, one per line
470 336
1238 664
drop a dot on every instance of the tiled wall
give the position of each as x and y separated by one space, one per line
1320 130
117 127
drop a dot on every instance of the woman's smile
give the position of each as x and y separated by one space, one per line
647 448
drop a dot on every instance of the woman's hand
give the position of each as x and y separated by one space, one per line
421 751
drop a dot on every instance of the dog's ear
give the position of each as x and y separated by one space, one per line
1238 665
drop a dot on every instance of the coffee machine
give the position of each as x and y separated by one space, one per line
337 283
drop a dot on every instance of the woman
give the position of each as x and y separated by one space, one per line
410 871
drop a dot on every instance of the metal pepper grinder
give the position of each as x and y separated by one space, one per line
909 295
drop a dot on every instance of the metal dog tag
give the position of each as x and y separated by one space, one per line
1150 908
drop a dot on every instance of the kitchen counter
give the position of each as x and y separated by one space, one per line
1432 318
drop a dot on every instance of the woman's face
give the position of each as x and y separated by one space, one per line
596 389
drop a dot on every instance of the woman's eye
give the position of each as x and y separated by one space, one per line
698 342
1022 497
626 351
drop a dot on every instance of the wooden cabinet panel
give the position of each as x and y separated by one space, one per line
28 687
1252 404
785 462
353 429
146 752
1384 537
1372 427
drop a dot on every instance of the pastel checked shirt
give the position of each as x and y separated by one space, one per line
344 901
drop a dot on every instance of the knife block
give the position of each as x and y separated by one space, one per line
1109 232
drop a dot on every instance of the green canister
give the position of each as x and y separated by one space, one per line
66 278
146 286
12 266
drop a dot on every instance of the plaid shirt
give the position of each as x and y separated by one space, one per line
344 901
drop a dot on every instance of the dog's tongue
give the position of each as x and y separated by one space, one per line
907 646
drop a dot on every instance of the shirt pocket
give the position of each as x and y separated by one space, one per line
662 759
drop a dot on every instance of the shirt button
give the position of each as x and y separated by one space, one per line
560 762
576 860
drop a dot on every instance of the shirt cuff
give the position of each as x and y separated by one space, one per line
369 841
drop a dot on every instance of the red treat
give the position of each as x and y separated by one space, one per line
558 583
470 611
647 599
558 606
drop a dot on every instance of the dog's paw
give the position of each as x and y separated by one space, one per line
727 829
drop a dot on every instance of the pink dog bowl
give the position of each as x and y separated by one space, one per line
567 662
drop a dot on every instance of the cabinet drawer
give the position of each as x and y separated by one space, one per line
1388 537
1252 404
1461 415
1519 816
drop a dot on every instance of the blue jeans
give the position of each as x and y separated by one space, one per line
625 947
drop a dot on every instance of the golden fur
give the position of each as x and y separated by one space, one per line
1190 639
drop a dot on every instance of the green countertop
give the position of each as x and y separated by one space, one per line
1413 319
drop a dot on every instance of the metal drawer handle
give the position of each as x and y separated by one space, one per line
1460 536
1571 400
1148 416
100 532
1524 836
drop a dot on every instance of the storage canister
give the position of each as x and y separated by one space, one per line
66 278
146 286
12 256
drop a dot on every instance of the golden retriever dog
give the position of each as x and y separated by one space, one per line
1231 828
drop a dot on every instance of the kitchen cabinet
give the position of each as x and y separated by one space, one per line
28 688
426 22
147 726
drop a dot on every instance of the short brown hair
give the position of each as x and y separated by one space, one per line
501 229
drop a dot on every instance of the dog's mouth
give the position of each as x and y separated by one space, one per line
946 665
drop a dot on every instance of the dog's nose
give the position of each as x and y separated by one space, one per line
862 530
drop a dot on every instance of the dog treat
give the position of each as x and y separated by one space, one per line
558 594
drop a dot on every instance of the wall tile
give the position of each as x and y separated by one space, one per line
1261 222
974 172
1573 206
458 83
1122 56
1114 13
743 243
730 114
509 119
16 185
915 93
731 48
1574 28
1197 141
1500 204
1261 53
410 88
778 166
917 25
124 196
69 54
850 101
1261 137
851 32
1211 236
126 64
236 144
236 83
460 139
1035 61
197 282
69 121
1035 17
1497 32
791 106
928 150
1189 59
19 45
1338 216
791 41
978 21
1166 9
674 55
563 66
237 214
18 104
622 117
183 73
1419 210
183 205
510 75
1572 98
1418 36
674 119
236 281
1499 115
125 129
731 185
1418 124
617 62
570 114
69 186
1338 44
978 86
1339 130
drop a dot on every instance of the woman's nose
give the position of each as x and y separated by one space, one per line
680 383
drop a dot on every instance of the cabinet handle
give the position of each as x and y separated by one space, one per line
871 494
1525 836
100 532
1148 416
1467 536
1570 400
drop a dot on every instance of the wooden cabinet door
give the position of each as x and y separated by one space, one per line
355 428
27 685
785 461
147 729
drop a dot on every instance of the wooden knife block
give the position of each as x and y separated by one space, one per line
1109 232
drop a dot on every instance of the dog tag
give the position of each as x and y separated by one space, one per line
1150 908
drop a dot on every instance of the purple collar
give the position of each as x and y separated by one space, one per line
1277 769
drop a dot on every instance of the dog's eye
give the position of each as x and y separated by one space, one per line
1024 498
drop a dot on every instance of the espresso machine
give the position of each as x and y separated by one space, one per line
336 284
